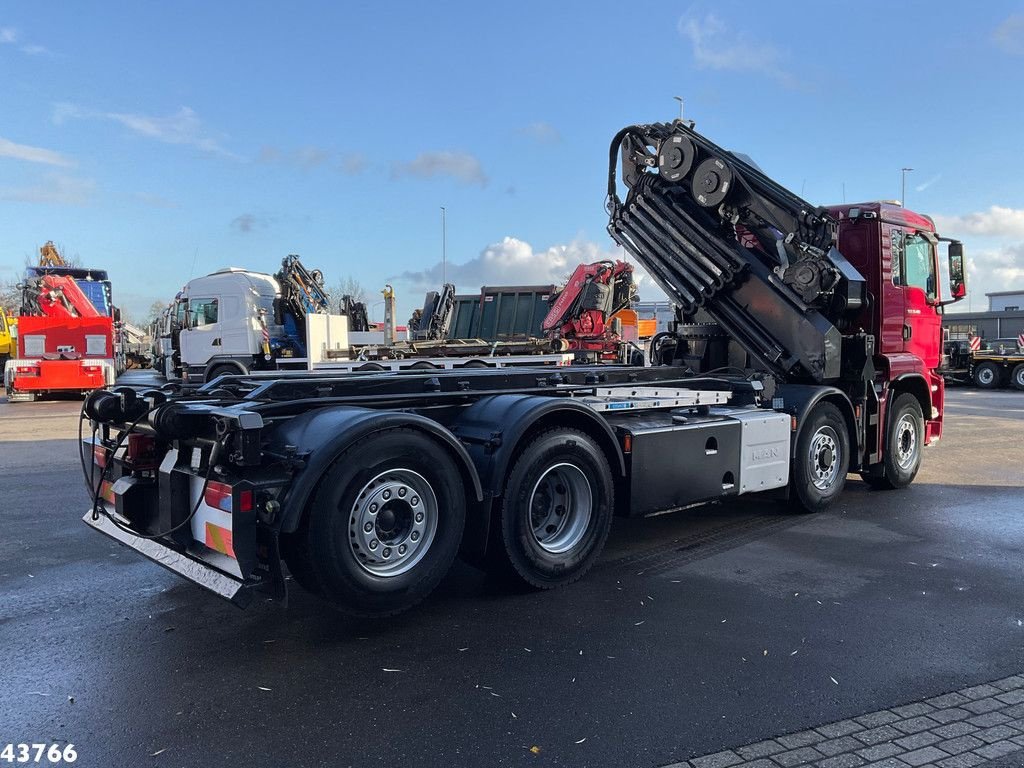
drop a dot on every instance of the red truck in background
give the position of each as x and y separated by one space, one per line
66 334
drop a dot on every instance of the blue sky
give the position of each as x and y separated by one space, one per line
164 140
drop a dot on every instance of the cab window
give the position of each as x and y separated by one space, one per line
897 257
202 312
918 264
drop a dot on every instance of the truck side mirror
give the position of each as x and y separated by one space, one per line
957 273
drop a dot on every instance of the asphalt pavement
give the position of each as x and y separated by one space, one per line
698 631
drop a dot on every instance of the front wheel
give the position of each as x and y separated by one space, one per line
557 509
384 526
818 470
904 441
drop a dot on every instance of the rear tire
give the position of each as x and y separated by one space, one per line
223 370
557 509
1017 377
818 470
904 442
987 376
384 526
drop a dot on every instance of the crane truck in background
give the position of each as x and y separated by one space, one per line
985 364
235 321
67 331
806 347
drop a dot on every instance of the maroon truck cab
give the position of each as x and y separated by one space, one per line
896 251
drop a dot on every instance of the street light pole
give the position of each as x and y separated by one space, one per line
444 247
903 189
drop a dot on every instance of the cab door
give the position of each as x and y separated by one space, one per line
922 323
201 339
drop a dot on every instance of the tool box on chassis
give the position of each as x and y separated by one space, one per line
221 484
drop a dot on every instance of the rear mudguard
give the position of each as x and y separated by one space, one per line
318 437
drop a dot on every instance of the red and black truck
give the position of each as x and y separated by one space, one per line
806 347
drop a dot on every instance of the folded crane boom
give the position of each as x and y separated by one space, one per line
718 235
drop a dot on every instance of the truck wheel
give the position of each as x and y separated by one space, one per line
987 376
1017 377
222 370
904 442
384 526
557 509
822 459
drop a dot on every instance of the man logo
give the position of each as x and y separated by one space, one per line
760 454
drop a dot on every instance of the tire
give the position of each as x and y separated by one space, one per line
542 547
423 365
988 376
223 369
1017 377
818 470
904 443
396 471
371 367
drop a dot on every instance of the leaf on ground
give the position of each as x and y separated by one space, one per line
535 749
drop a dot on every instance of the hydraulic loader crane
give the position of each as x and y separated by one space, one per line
581 312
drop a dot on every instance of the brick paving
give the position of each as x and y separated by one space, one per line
962 729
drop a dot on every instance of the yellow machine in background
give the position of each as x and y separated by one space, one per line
8 337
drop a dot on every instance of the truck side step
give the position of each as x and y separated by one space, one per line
647 398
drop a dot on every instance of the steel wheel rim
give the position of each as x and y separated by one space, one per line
986 376
824 457
560 507
393 522
1020 377
906 442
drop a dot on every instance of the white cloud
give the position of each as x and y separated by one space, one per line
56 189
11 36
8 35
461 166
1010 34
310 157
997 221
997 269
182 127
542 132
515 262
32 154
715 46
933 180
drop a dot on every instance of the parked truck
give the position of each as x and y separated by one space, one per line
987 364
68 331
367 486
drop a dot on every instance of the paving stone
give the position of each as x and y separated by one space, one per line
950 715
800 756
1000 748
762 762
960 744
979 691
1017 710
835 746
918 740
989 719
842 728
922 756
889 762
801 739
878 735
915 724
918 708
961 761
954 729
981 706
1018 740
840 761
947 700
998 733
760 749
1015 696
717 760
875 719
1009 683
879 751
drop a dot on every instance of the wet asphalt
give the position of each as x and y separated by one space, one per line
697 631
